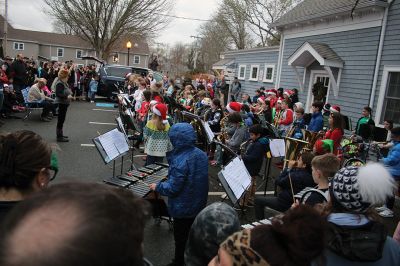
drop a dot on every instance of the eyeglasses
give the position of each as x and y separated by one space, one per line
52 172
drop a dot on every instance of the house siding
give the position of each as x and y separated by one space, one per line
260 58
391 46
358 50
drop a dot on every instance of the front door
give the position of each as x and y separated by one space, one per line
317 77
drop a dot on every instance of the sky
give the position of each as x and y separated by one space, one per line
28 14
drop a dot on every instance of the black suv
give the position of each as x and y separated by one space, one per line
112 77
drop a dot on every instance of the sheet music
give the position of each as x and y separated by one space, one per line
277 147
237 177
209 132
113 143
121 126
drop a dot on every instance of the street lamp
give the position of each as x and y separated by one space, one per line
128 45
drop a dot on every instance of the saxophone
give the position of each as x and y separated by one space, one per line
224 134
277 118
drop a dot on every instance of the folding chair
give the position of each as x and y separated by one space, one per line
29 107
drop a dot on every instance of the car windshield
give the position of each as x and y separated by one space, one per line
117 71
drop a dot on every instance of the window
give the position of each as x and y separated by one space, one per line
136 59
269 73
19 46
242 72
254 72
391 102
78 54
60 52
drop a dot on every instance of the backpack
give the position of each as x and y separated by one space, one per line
362 243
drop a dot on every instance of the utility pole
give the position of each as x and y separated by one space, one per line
5 27
196 52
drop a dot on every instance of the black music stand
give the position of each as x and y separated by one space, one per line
111 141
235 179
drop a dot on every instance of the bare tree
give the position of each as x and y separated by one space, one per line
102 23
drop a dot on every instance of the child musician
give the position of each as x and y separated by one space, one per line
253 159
298 123
286 118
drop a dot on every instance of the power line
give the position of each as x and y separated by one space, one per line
173 16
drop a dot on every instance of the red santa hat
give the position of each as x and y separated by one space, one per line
234 107
288 93
160 109
335 109
261 99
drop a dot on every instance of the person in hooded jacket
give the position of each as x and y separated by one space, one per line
187 184
354 236
253 159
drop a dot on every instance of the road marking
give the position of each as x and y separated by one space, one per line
257 193
104 110
100 123
87 145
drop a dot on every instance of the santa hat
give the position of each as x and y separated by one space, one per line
288 93
335 109
274 92
261 99
234 107
323 146
279 100
355 189
206 101
160 109
153 102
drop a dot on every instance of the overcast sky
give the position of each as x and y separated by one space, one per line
28 14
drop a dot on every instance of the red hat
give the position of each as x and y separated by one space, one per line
234 107
160 109
274 92
288 92
335 109
261 99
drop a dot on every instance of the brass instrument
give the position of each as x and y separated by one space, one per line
243 147
293 148
311 138
277 118
223 136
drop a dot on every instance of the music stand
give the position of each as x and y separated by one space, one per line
235 180
111 146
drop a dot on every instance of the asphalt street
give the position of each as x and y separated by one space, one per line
79 160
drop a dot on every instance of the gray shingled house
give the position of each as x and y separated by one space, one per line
356 57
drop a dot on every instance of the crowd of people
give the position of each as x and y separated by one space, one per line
328 212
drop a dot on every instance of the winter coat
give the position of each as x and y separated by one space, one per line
301 178
355 240
392 161
62 92
240 136
335 135
187 184
365 127
18 70
316 123
254 156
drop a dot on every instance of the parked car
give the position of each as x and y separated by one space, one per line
112 76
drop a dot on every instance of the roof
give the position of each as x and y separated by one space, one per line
65 40
222 63
252 50
313 9
308 52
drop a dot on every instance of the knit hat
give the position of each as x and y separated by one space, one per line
238 246
323 146
335 109
160 109
234 107
206 101
357 188
211 227
327 107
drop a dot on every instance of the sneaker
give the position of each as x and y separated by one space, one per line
386 213
61 139
381 209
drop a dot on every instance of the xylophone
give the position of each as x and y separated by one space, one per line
138 181
252 225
